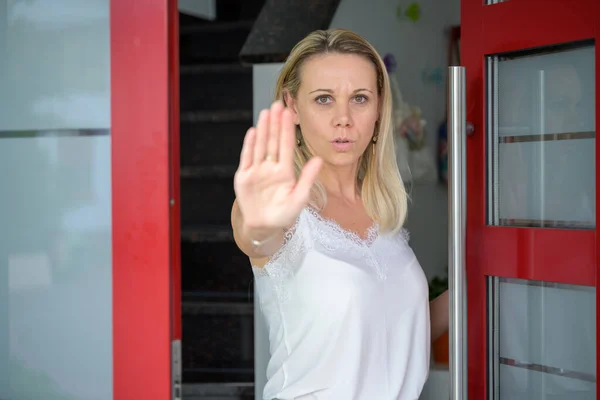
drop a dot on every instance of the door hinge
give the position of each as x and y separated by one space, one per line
176 369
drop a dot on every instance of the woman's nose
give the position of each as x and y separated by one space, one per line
342 117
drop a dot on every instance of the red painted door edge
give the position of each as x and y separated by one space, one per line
472 60
140 199
174 113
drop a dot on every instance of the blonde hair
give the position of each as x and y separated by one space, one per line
382 189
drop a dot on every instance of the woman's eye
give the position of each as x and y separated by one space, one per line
323 99
360 98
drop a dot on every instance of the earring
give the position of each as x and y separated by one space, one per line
298 142
374 143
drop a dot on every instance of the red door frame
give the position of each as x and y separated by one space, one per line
505 251
144 134
174 166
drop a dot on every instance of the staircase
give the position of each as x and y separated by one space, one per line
217 282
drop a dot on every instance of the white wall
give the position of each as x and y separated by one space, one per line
420 51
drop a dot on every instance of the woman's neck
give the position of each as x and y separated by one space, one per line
340 182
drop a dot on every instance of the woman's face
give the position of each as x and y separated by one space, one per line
337 106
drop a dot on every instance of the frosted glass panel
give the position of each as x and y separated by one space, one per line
55 235
542 139
522 384
54 64
546 344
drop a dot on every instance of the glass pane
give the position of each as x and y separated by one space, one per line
55 236
546 340
542 139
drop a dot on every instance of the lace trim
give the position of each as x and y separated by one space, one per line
372 232
330 236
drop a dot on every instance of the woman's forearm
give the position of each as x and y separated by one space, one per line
440 315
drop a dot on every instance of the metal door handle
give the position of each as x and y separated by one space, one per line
457 201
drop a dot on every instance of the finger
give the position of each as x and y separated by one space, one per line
247 149
274 129
260 145
301 193
287 139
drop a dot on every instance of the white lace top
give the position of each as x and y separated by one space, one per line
348 318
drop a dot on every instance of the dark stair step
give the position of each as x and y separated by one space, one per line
206 233
213 42
216 116
211 308
217 347
207 201
216 267
213 138
215 87
187 20
229 10
222 376
219 296
208 171
223 391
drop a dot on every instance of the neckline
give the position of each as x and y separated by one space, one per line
372 233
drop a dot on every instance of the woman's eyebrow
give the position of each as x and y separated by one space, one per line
322 90
331 91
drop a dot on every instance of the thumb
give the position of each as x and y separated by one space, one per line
308 176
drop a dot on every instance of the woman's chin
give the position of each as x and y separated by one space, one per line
341 159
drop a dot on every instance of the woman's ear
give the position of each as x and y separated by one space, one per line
290 102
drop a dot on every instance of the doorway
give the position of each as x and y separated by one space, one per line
217 303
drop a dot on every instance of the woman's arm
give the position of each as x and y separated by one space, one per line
243 236
439 309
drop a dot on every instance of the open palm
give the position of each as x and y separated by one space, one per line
266 188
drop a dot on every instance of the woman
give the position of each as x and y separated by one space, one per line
319 211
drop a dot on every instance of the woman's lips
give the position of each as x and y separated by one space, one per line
342 144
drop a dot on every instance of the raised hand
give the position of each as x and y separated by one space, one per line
267 191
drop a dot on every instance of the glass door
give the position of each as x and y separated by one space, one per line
85 254
531 248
